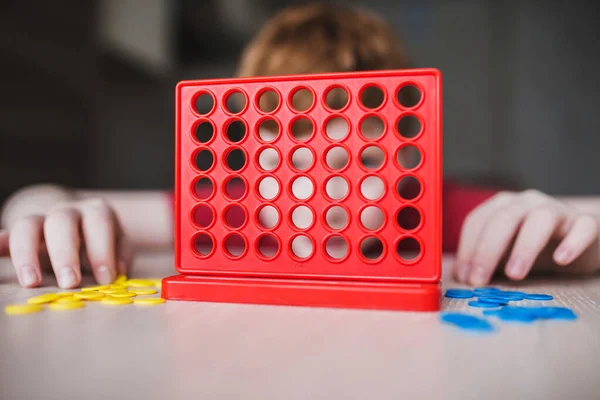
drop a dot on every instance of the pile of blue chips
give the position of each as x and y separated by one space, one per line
496 303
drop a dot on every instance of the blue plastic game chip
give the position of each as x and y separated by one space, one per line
492 300
554 313
467 322
481 304
486 290
510 296
459 293
538 296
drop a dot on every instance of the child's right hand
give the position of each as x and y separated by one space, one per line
68 236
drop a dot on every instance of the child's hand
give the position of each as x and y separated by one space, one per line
70 235
531 220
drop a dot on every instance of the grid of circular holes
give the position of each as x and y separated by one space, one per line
336 247
302 247
235 188
302 217
337 187
302 129
372 187
235 102
408 218
268 101
372 157
268 188
268 217
268 158
235 130
204 188
203 216
336 98
408 126
235 216
337 158
408 249
371 248
337 218
302 187
336 128
268 129
372 96
408 95
408 157
204 160
302 158
203 244
408 188
234 245
372 218
267 245
235 159
372 127
205 131
204 103
302 100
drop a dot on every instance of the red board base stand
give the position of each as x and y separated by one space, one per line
306 293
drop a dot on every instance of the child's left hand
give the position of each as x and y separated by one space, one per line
528 222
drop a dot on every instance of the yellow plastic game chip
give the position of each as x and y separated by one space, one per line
65 306
89 295
142 291
70 299
120 279
94 288
139 283
156 282
115 301
148 301
43 298
117 286
64 294
111 291
21 309
122 295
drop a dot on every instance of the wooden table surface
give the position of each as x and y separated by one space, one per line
231 351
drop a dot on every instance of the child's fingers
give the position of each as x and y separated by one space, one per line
4 244
583 233
100 235
24 244
534 235
124 254
61 230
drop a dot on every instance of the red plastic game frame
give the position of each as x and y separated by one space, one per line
247 284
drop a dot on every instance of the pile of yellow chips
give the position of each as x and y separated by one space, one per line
121 292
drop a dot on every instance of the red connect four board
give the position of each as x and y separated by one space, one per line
315 190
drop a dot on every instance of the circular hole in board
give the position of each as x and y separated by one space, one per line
236 102
372 127
235 131
372 157
302 246
204 160
371 248
302 188
236 159
203 188
268 101
204 103
268 245
337 158
268 130
302 100
337 188
408 249
337 128
268 159
235 245
408 96
268 217
408 218
235 216
336 247
336 217
203 215
268 188
203 244
408 188
408 157
302 158
337 98
408 126
302 129
372 187
235 188
372 97
372 218
204 132
302 217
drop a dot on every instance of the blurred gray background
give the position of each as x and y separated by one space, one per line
87 87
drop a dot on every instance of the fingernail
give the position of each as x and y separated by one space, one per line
515 268
562 256
478 276
104 275
28 276
67 278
